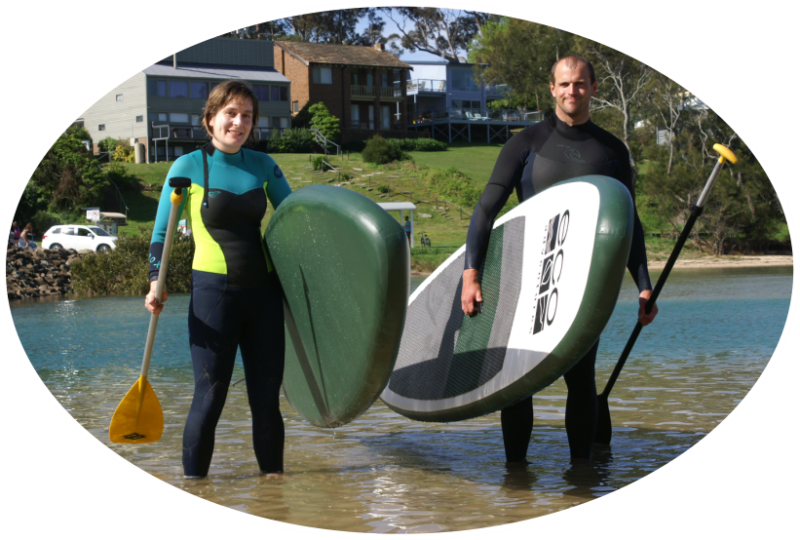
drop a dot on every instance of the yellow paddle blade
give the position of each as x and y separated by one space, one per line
138 418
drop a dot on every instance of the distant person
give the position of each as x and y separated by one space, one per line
26 236
407 228
236 299
564 146
15 231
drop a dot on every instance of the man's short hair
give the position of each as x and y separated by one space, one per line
572 61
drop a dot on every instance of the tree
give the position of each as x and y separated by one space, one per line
443 32
519 53
324 121
68 177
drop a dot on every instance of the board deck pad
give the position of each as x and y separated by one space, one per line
550 280
343 264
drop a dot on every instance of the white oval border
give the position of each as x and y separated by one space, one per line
445 5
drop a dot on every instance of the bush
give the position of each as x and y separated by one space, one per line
124 271
379 151
419 145
123 151
43 220
317 163
108 144
382 189
324 121
296 141
453 185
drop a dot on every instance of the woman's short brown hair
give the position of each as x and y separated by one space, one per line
224 93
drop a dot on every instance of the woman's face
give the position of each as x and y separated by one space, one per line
231 126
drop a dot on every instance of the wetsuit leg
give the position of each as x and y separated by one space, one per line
213 338
263 347
517 423
581 414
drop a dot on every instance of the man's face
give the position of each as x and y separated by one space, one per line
573 91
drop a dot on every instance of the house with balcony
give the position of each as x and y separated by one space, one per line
362 86
161 107
445 98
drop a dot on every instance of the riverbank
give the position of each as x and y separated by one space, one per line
725 261
35 273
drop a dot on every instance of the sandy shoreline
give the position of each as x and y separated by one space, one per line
728 261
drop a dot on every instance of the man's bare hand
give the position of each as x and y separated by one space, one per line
150 302
646 319
470 292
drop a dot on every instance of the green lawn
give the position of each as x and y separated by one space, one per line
444 224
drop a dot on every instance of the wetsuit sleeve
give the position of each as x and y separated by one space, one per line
505 176
277 186
181 167
637 260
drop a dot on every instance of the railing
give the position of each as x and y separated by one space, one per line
266 133
391 91
478 115
323 141
498 89
426 85
359 90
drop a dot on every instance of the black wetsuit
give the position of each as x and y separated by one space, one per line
531 161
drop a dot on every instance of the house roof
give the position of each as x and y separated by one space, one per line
215 72
351 55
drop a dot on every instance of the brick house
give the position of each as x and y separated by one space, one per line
365 87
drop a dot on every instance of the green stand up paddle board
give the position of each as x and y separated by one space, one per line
343 263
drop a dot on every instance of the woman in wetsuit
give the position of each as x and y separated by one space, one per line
236 298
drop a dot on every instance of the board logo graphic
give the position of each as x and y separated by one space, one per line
546 301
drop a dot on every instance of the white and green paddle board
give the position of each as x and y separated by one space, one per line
550 280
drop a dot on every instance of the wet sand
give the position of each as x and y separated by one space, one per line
726 261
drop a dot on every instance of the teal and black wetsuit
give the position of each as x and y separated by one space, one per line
236 299
531 161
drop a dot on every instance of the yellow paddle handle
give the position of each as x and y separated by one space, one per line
725 153
177 198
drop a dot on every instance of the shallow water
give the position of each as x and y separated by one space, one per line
715 333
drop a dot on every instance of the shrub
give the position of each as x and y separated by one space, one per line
124 271
43 220
108 144
324 121
419 145
453 185
296 141
378 150
123 151
317 163
382 189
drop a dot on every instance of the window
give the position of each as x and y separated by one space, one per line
384 79
101 127
195 119
295 106
369 80
140 118
83 232
386 117
263 122
261 91
119 97
198 90
157 88
354 115
284 122
354 78
178 89
179 118
284 93
178 151
462 80
322 75
276 93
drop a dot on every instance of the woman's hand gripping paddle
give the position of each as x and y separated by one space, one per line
603 433
138 418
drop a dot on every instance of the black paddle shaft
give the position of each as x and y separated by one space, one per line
648 307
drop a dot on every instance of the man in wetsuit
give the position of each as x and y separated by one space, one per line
563 146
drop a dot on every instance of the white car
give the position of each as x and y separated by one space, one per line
78 237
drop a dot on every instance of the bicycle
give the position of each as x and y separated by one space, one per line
424 240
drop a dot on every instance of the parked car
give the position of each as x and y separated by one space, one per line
78 237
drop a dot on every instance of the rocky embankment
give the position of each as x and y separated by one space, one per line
33 273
